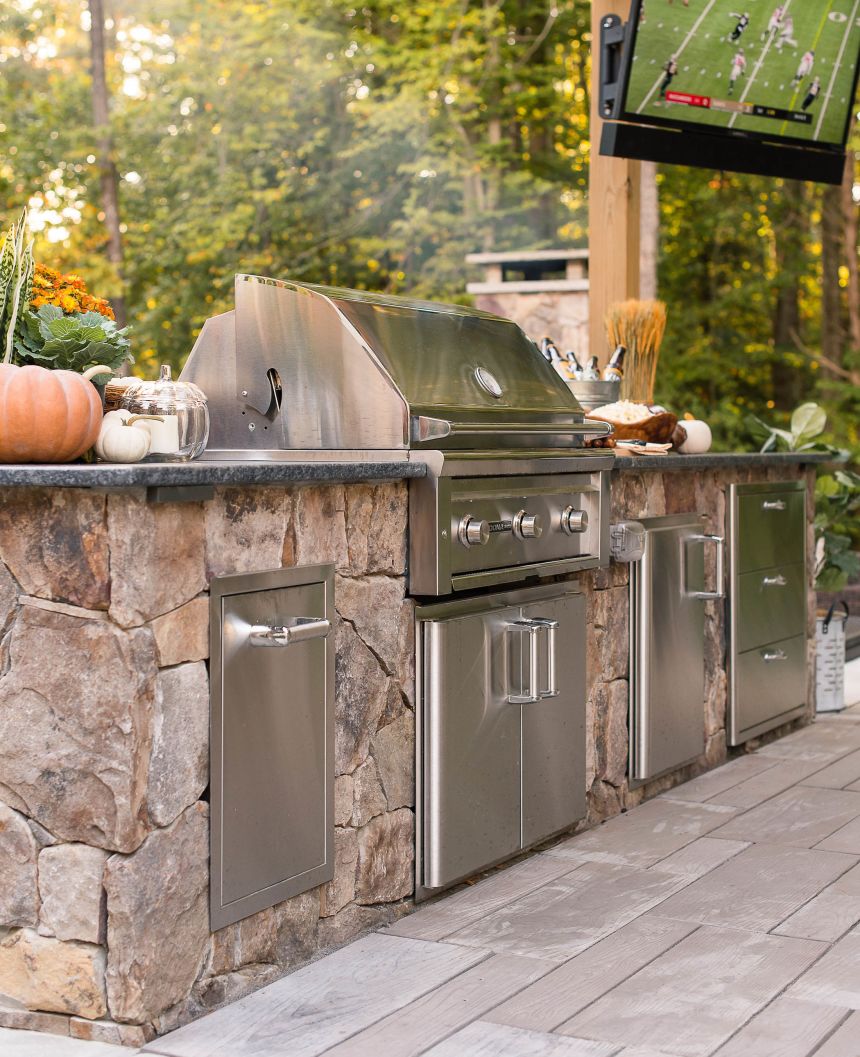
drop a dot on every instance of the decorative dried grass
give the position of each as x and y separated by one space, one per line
638 326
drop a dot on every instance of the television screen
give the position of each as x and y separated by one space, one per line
784 72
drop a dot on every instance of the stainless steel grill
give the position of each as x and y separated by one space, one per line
511 494
298 371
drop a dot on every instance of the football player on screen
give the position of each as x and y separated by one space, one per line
812 93
670 68
773 24
786 34
739 65
805 67
743 22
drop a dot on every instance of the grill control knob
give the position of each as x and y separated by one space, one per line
527 526
473 532
573 520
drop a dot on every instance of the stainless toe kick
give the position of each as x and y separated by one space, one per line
272 738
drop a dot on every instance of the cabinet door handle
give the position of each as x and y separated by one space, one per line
774 581
529 629
294 629
773 504
773 655
550 627
719 575
527 691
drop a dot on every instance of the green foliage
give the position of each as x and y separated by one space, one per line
370 145
807 423
16 277
837 505
49 338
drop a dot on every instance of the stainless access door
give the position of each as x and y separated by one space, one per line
667 640
553 727
500 720
472 745
272 728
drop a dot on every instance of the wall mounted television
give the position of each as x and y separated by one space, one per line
738 85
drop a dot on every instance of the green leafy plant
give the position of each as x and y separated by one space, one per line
807 422
16 279
49 338
837 504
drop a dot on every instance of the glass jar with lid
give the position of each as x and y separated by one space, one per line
177 418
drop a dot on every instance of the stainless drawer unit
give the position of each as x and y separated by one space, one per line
500 738
667 644
767 587
272 738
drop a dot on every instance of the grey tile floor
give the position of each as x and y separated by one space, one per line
722 918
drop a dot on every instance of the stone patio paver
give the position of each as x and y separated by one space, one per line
701 924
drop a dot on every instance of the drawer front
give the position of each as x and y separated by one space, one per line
771 529
770 681
771 605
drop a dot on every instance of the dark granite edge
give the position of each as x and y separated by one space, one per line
718 460
150 475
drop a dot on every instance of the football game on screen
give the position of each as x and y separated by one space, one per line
783 70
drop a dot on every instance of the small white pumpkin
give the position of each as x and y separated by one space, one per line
122 442
110 420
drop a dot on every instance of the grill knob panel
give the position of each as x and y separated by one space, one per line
573 520
473 532
527 526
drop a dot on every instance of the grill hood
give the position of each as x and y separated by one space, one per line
307 367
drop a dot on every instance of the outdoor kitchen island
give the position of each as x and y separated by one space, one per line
104 715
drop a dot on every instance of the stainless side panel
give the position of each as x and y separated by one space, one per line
272 741
553 775
771 605
771 526
771 684
667 648
472 747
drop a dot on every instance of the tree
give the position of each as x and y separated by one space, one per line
108 176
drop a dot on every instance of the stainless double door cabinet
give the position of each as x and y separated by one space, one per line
500 727
667 644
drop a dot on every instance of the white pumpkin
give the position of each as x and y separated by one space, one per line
698 437
121 441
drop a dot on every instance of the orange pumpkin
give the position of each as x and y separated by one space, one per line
46 416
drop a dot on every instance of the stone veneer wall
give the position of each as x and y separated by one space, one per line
104 705
653 494
104 713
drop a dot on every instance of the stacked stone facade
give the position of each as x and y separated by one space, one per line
104 735
104 747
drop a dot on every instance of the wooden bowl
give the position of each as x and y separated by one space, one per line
658 428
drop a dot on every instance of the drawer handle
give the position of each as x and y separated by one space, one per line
773 655
773 504
296 629
529 629
774 581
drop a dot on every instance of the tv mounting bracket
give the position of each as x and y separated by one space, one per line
613 35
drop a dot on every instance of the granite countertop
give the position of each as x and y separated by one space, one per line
209 473
718 460
205 474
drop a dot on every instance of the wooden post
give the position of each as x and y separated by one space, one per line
613 210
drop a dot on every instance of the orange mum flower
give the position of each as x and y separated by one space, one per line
67 292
